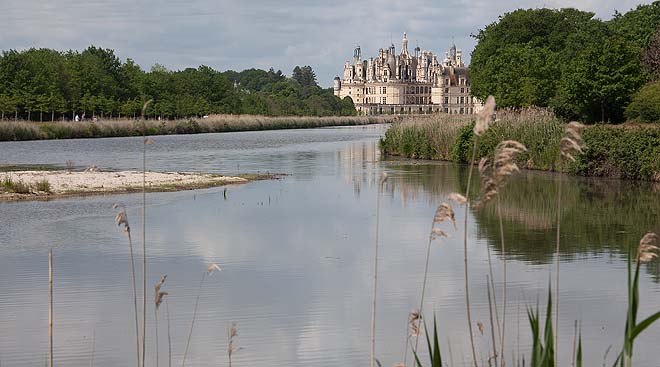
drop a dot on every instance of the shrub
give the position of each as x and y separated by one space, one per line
18 187
645 104
42 185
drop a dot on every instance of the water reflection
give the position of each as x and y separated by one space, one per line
297 255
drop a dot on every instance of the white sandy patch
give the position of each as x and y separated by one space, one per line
64 182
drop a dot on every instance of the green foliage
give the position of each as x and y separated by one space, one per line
645 105
19 187
630 153
435 355
580 66
42 185
44 84
633 328
542 345
621 152
462 147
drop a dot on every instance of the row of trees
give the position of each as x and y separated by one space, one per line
45 84
582 67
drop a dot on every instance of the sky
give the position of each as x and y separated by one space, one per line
243 34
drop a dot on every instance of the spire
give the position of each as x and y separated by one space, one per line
404 46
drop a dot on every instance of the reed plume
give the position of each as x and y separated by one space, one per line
158 299
443 213
648 248
122 220
494 175
484 119
231 348
570 145
208 272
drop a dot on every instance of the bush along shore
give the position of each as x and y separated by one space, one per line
28 130
622 151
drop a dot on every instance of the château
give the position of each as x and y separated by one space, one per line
407 83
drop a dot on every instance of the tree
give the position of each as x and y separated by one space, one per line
305 76
651 57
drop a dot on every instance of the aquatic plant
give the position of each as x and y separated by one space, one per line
372 360
208 272
646 251
122 220
158 299
570 145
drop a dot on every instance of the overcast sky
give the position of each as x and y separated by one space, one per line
240 34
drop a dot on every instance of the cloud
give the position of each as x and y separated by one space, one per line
236 34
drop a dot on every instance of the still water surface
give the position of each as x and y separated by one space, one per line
297 255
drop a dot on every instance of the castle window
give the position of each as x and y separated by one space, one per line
462 101
446 101
446 110
461 111
462 90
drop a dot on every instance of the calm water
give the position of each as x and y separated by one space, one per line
297 255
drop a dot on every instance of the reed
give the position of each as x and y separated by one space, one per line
122 219
158 299
483 120
570 145
372 359
209 271
232 334
28 130
443 213
645 252
145 142
50 305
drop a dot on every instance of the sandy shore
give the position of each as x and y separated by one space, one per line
63 183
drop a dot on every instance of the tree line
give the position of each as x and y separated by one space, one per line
45 84
582 67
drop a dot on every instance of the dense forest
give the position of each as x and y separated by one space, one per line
45 84
580 66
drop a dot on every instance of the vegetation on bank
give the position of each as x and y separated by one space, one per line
582 67
28 130
46 85
627 151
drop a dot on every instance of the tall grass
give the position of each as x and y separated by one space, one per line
28 130
372 359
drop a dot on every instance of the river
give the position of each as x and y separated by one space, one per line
297 255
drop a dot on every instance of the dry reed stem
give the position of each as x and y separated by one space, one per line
158 299
50 305
492 326
372 359
169 335
122 219
443 213
208 272
483 120
569 145
144 230
233 333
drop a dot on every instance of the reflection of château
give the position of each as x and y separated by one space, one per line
407 83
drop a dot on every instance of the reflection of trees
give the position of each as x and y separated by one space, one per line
599 215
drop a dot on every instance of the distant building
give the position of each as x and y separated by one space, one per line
407 83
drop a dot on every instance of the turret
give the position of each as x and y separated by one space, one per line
337 86
404 45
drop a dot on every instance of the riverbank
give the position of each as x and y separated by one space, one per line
30 130
36 185
618 151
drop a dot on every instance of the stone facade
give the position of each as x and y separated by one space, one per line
407 83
